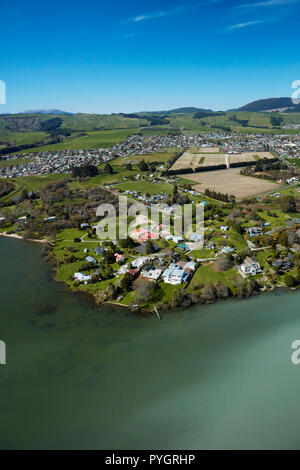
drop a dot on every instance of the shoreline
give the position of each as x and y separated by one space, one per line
93 299
18 237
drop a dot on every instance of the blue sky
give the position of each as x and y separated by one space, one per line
127 56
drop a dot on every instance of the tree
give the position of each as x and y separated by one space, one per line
109 257
128 167
85 171
222 291
143 166
283 238
149 247
108 169
288 204
208 293
126 283
143 289
126 243
28 235
223 264
24 194
290 281
111 291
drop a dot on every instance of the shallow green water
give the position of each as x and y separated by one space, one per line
216 376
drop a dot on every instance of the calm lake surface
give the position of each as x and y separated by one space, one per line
216 376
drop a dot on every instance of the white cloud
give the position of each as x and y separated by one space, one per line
268 3
252 23
155 14
244 25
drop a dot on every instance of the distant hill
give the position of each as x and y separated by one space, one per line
271 104
188 110
46 111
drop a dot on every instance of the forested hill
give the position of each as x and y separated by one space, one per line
271 104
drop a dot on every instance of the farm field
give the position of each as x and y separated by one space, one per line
230 182
249 156
14 162
95 139
209 157
208 150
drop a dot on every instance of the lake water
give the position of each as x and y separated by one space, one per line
216 376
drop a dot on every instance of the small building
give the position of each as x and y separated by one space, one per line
151 273
174 274
84 226
90 259
149 236
196 237
119 257
50 219
82 277
250 267
99 250
181 246
224 228
253 231
227 249
211 246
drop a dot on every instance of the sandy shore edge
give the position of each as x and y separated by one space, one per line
18 237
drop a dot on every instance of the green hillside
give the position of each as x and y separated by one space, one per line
38 132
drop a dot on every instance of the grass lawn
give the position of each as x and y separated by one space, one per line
145 187
275 222
34 183
120 172
295 161
262 257
151 157
206 274
201 254
292 191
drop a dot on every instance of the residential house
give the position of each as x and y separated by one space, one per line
250 267
82 277
227 249
196 237
119 257
151 273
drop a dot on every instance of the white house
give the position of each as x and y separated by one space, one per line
152 274
250 267
82 277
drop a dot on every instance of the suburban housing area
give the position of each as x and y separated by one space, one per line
248 186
